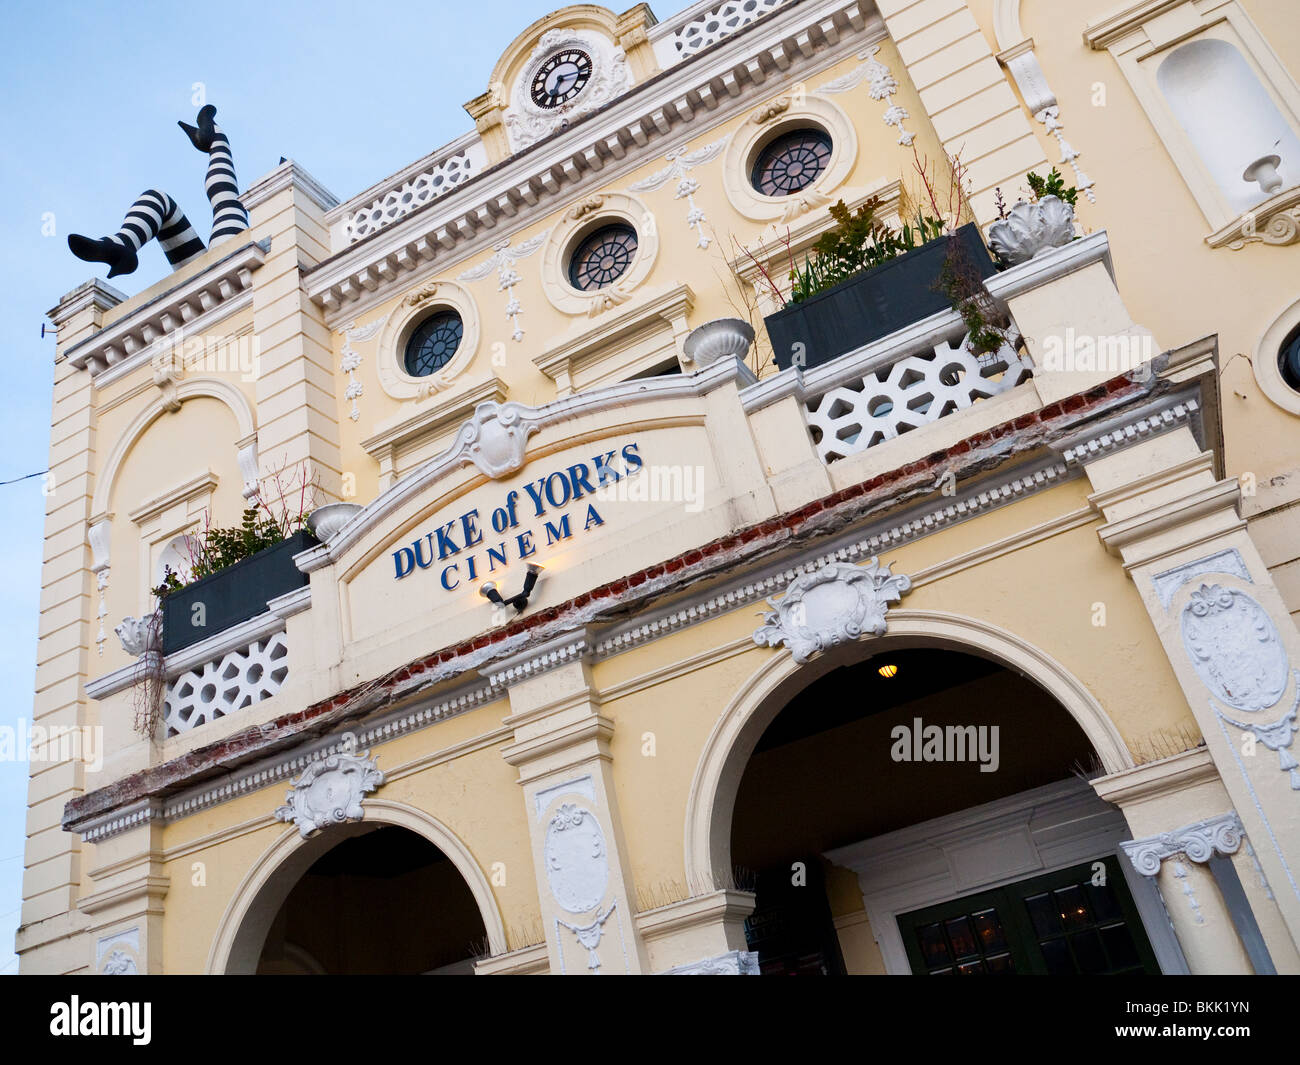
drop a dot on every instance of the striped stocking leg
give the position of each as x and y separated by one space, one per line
229 218
154 214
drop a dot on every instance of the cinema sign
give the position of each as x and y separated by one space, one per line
550 509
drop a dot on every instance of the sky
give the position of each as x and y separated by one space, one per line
90 94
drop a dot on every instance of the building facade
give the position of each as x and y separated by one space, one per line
902 660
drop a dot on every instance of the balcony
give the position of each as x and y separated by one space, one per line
770 447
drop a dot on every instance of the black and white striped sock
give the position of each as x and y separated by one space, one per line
154 214
229 218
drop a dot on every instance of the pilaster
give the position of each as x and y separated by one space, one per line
1232 644
297 400
561 748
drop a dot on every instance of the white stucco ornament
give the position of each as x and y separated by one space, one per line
330 790
526 121
1234 647
120 963
139 635
496 437
834 604
577 864
1032 228
1199 842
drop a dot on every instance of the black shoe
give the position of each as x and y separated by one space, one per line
201 135
120 257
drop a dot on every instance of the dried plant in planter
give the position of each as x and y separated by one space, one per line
150 679
987 326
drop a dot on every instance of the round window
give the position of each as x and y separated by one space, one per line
1288 360
603 257
433 343
791 162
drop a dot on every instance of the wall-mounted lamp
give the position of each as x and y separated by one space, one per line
488 590
888 670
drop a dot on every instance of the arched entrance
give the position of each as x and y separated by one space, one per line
396 893
864 795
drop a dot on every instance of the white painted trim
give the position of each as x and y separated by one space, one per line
242 929
1058 825
758 700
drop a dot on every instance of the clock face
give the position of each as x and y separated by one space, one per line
561 78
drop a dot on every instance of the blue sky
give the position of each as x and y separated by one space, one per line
89 99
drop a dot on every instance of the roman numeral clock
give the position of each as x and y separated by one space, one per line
561 78
569 73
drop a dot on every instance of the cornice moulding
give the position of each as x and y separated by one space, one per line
92 293
288 174
1104 32
649 313
195 486
646 118
444 415
131 341
1155 779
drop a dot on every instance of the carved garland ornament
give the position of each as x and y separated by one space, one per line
503 261
330 790
834 604
680 162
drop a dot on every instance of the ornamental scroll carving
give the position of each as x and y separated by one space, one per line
834 604
330 789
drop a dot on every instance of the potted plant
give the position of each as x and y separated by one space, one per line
233 572
236 572
865 280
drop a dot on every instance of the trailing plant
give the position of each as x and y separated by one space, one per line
1052 185
150 680
987 327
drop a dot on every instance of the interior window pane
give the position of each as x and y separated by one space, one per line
1045 915
934 948
989 930
1000 965
1073 907
1088 954
962 936
1120 946
1057 956
1105 906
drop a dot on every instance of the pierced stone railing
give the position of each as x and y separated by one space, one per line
423 188
908 393
718 23
220 686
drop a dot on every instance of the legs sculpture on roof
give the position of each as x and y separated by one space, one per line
155 214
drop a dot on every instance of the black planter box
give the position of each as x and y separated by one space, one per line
871 305
234 594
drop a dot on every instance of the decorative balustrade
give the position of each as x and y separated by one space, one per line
719 22
220 686
910 392
397 203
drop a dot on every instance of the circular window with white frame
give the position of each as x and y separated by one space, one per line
1276 360
603 247
788 157
428 340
